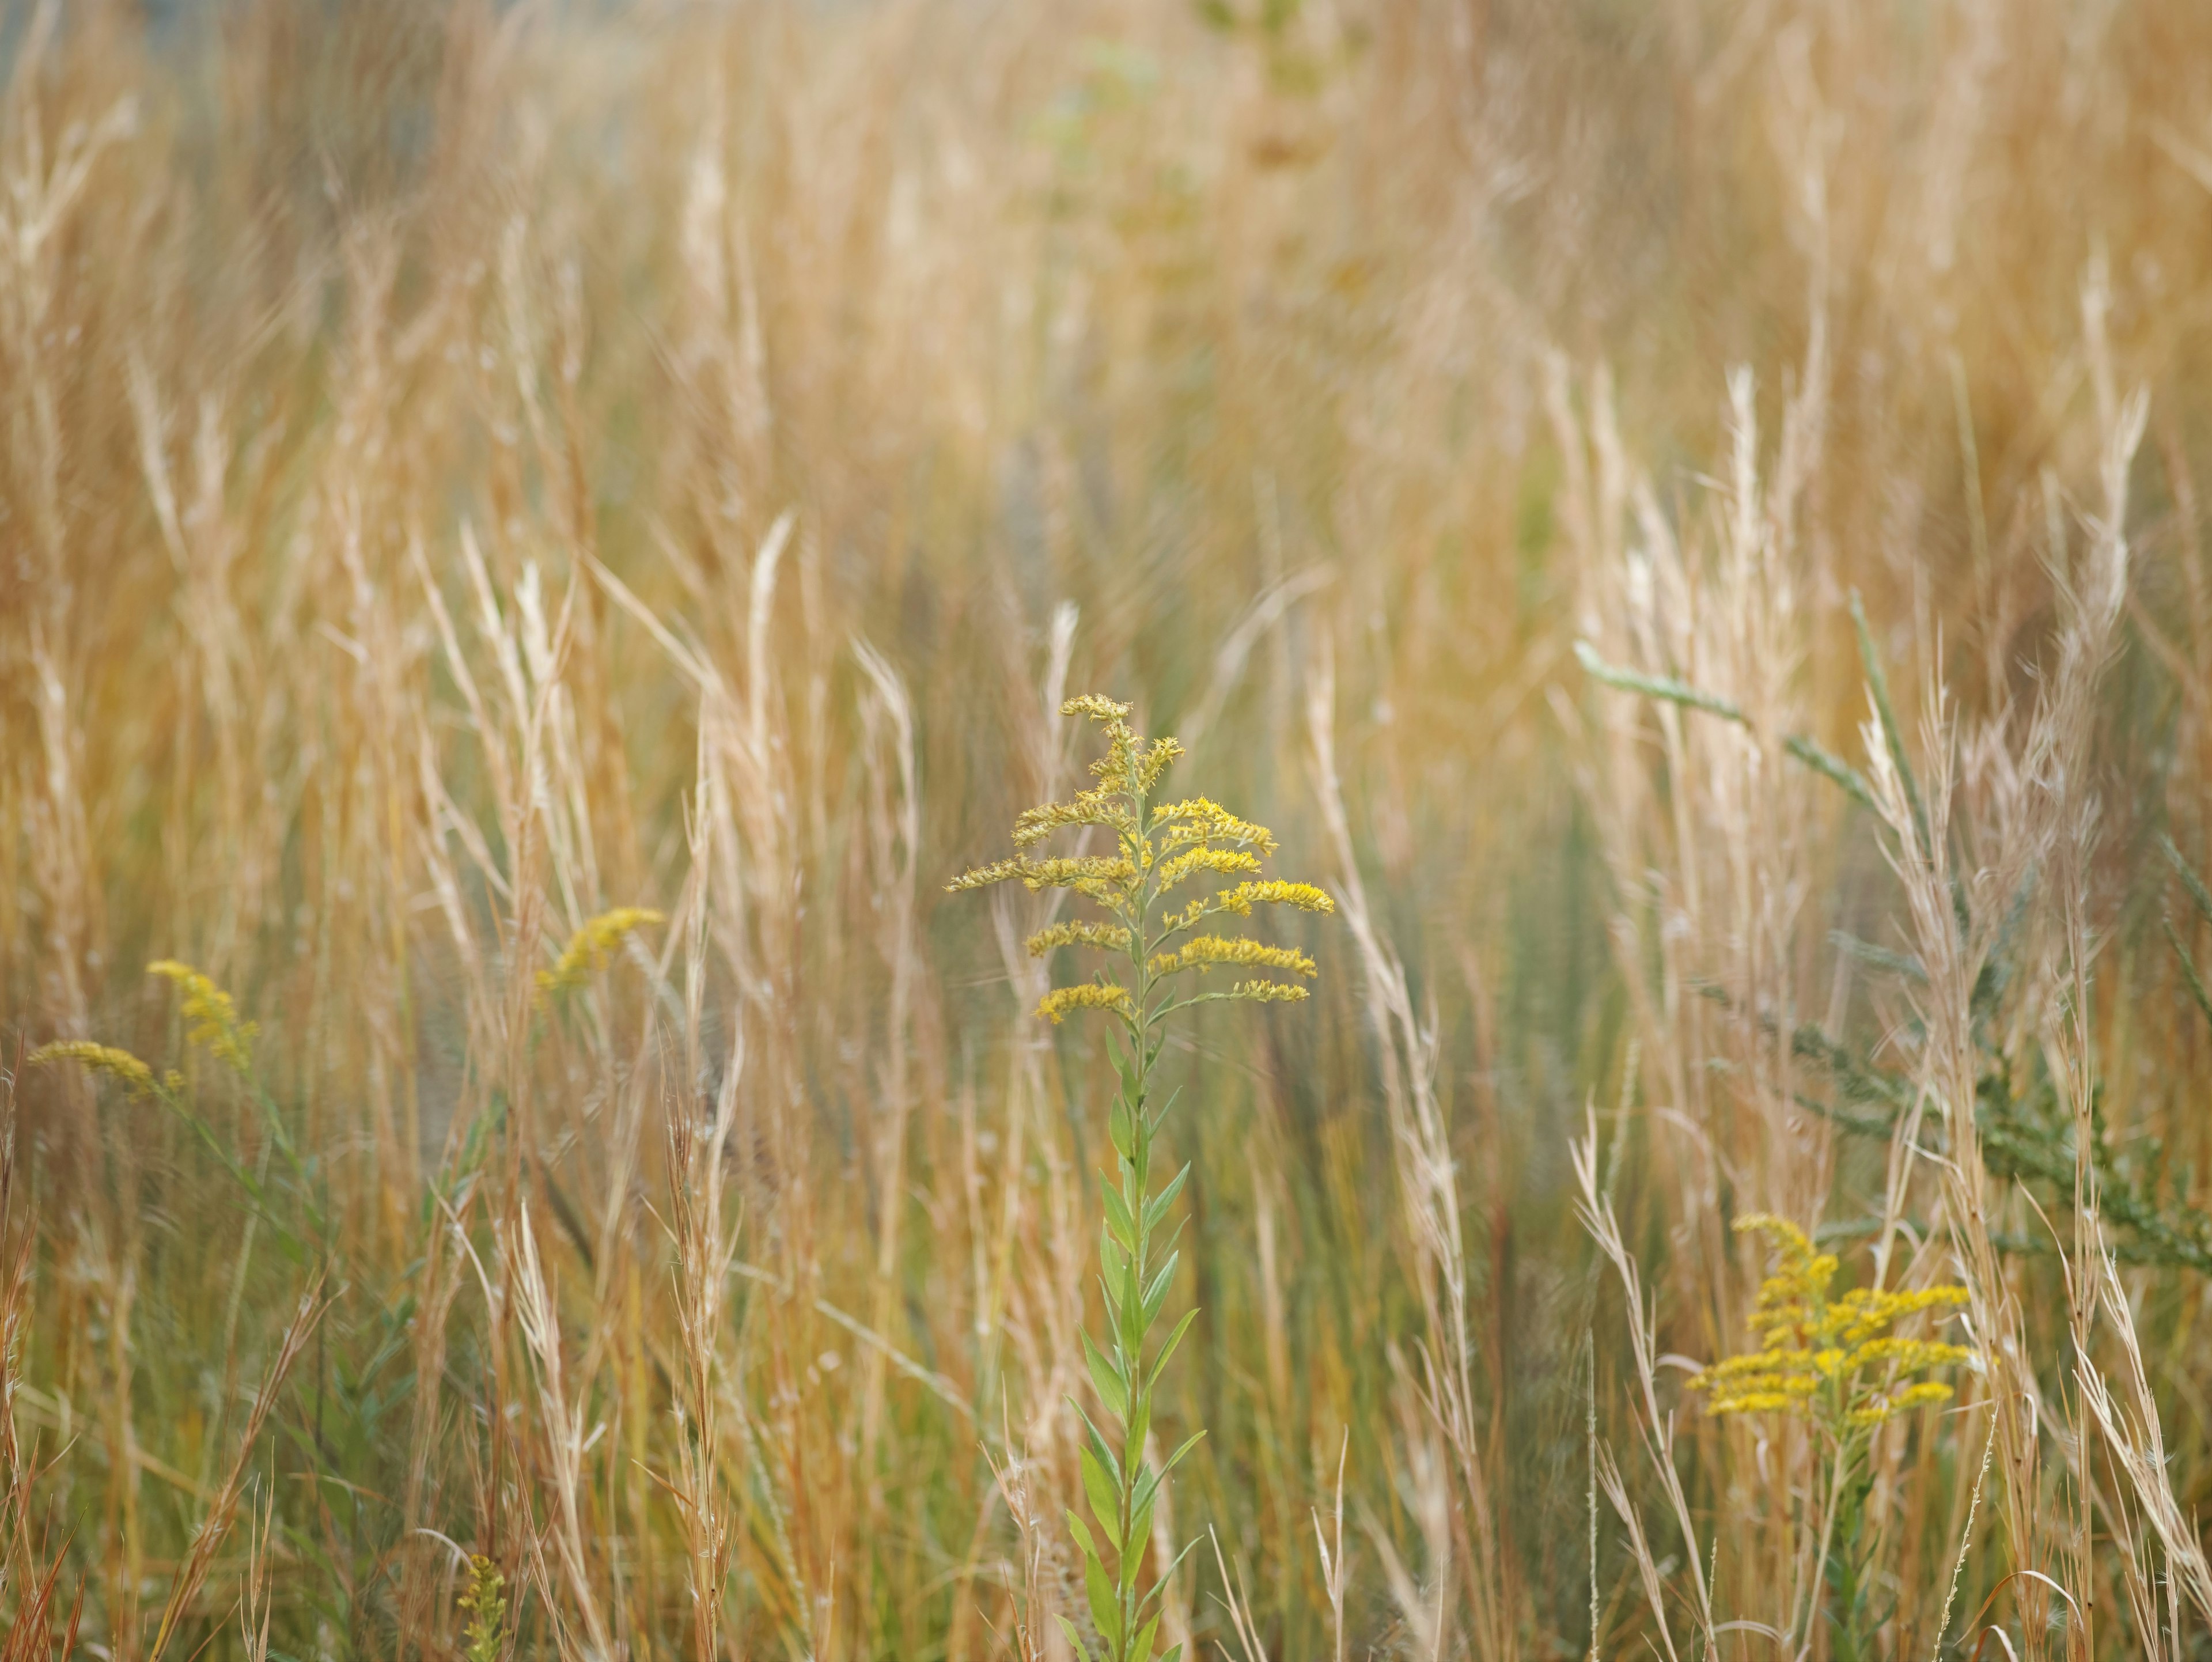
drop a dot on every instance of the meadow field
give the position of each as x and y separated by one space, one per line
539 541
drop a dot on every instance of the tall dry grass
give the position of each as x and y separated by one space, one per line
470 469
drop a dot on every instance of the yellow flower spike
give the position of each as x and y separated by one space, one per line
212 1018
591 946
1091 996
1108 937
1833 1361
125 1069
1208 950
1269 992
1222 862
1245 896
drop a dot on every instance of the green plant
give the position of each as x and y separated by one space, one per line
1157 850
486 1605
1836 1364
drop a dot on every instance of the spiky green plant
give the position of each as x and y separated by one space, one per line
1153 946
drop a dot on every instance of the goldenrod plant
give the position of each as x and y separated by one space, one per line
1156 967
1835 1363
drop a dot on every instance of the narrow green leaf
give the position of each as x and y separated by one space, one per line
1082 1536
1142 1650
1105 1503
1119 1223
1166 1108
1118 1128
1160 1362
1105 1608
1074 1639
1176 1458
1113 1390
1156 1295
1100 1447
1140 1526
1139 1419
1157 1208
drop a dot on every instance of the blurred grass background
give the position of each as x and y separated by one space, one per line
469 467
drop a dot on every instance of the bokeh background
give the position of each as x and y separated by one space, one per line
463 468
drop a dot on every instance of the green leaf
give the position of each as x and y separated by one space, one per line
1105 1504
1119 1223
1160 1362
1141 1527
1142 1650
1133 1562
1120 1129
1156 1295
1074 1639
1176 1458
1139 1419
1157 1208
1174 1654
1099 1446
1105 1608
1113 1389
1082 1537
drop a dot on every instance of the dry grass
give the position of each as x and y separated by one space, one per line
465 470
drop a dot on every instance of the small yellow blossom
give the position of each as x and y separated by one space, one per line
591 946
1222 862
1269 992
1158 847
1245 896
1833 1361
125 1069
1090 996
1211 949
1200 820
1109 937
212 1018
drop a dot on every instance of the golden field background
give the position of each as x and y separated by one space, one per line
466 469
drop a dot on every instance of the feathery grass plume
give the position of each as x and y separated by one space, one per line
1156 848
591 946
125 1069
212 1018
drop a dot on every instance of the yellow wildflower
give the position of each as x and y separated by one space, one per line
212 1017
134 1075
1211 949
591 946
1222 862
1833 1361
1110 937
1159 848
1090 996
1245 896
1269 992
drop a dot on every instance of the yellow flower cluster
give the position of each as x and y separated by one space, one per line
591 946
1108 937
1245 896
1222 862
1090 996
1211 949
1269 992
1202 821
212 1018
1156 849
125 1069
1833 1361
